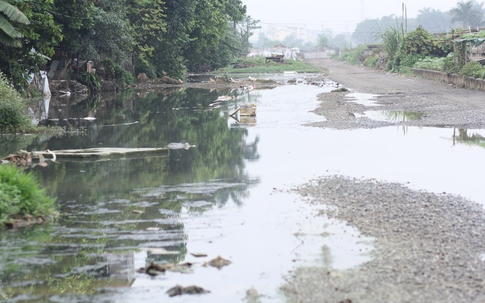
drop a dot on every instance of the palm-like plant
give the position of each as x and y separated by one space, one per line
470 13
8 34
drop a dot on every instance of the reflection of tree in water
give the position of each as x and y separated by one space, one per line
470 139
99 200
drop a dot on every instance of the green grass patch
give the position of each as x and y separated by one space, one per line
258 65
21 195
13 114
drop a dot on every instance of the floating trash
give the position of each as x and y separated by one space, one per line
179 145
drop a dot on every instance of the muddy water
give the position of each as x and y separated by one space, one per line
227 196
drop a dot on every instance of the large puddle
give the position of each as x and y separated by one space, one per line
228 196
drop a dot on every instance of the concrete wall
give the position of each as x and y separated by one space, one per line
460 81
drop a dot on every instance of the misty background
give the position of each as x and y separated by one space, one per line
303 23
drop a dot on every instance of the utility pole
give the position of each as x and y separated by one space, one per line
402 18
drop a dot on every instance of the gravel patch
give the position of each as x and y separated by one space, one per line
442 104
428 247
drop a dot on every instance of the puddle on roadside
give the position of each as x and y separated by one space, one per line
229 196
362 98
392 116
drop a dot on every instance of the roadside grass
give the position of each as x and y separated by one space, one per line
258 65
21 196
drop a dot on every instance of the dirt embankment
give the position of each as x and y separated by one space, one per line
428 247
442 105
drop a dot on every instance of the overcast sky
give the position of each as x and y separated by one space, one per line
338 15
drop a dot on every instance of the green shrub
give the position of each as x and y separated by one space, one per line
371 61
13 115
143 66
430 63
410 60
115 71
90 79
353 56
472 69
21 195
449 65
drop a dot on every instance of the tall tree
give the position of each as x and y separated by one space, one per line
469 13
169 53
365 32
110 36
206 35
149 23
434 21
322 42
40 37
77 20
8 34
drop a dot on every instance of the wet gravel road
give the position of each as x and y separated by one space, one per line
429 247
442 104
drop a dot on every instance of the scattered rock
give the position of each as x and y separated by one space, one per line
219 262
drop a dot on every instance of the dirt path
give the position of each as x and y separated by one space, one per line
428 247
442 104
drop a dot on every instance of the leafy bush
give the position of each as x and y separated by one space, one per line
430 63
371 61
90 79
410 60
117 72
449 65
13 116
353 56
143 66
472 69
444 64
20 195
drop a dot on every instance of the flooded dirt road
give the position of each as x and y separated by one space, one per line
428 238
310 201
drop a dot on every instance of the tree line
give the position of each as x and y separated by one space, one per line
158 37
464 15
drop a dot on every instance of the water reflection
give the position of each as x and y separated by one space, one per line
469 137
394 116
227 196
111 211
